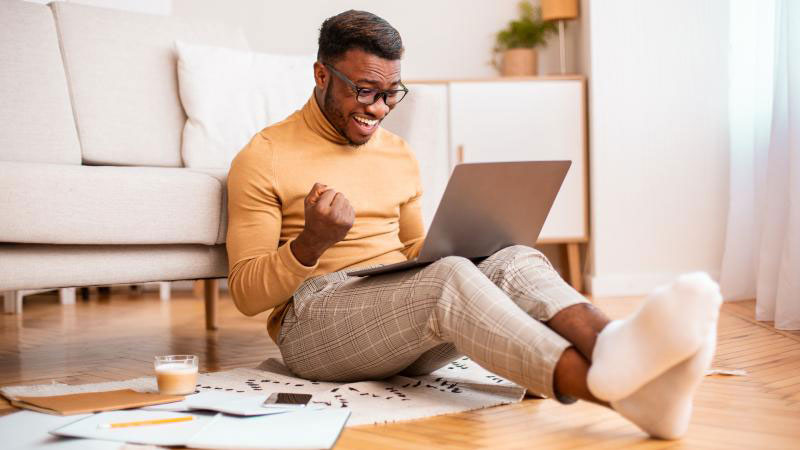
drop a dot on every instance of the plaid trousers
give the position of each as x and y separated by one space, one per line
343 328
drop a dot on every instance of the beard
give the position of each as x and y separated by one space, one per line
332 110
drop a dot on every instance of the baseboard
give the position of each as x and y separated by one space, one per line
625 285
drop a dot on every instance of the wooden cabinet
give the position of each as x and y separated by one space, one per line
447 122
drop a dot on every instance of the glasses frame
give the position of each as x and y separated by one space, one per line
378 94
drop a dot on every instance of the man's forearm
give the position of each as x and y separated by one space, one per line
307 250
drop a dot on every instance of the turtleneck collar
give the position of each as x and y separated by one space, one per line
316 120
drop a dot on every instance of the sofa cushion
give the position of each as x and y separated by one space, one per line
36 122
121 68
32 266
60 204
222 176
229 95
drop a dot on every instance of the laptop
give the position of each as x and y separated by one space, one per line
487 207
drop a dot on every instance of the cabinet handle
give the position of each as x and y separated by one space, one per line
459 154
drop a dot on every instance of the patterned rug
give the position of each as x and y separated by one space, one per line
460 386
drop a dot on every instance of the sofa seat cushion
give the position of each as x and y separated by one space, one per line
61 204
222 176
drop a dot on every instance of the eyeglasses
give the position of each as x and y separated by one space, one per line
368 96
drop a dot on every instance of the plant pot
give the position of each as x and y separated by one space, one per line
518 62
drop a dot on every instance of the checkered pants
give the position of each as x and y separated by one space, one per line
343 328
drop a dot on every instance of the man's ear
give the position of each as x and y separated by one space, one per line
320 75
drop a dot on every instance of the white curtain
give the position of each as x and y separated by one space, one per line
762 244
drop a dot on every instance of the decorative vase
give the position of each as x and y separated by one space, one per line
518 62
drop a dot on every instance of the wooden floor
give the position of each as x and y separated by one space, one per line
115 338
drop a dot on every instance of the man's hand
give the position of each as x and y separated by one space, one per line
329 217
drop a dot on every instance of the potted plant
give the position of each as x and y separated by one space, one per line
516 44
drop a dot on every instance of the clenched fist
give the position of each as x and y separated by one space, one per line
329 217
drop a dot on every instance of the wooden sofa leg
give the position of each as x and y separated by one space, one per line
211 296
12 302
164 290
67 296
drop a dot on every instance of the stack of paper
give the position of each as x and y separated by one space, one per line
296 430
224 402
164 434
246 424
29 430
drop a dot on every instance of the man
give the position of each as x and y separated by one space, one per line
328 190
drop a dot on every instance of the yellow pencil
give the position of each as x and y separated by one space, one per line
145 422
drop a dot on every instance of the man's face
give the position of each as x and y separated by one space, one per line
355 121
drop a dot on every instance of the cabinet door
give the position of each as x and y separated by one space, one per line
525 121
421 119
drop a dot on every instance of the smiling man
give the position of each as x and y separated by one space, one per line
328 190
359 126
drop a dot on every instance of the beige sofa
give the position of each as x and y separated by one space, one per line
92 188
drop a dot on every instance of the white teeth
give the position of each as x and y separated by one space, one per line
366 121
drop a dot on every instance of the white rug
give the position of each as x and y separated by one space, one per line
460 386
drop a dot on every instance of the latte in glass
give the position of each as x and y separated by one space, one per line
176 374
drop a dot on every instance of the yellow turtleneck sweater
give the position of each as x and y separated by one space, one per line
270 178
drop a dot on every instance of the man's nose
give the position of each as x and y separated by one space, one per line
379 109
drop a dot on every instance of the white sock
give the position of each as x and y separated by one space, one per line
663 407
668 327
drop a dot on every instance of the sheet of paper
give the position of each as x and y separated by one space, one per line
174 406
29 430
292 430
235 404
163 434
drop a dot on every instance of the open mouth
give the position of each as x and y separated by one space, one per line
365 125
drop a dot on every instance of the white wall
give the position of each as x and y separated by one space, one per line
160 7
444 39
659 141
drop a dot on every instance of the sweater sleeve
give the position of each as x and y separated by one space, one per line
412 230
262 274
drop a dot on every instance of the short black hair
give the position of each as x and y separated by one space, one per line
360 30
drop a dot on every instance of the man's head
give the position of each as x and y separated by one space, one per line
358 62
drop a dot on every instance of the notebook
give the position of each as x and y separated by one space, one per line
89 402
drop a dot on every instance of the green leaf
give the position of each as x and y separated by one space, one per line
529 31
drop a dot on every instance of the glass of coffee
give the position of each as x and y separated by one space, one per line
176 374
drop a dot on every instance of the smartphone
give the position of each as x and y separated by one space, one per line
286 400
